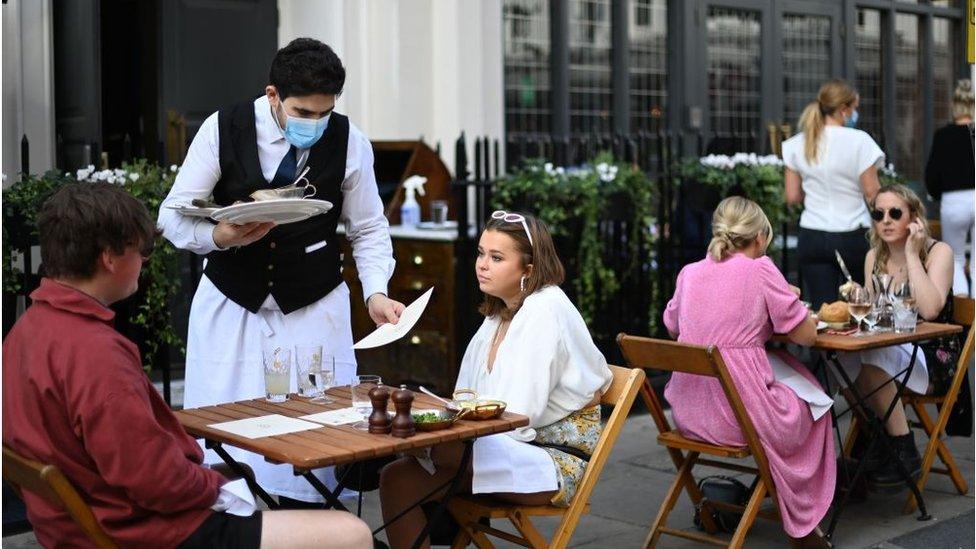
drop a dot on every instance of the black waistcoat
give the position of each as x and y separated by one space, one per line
279 263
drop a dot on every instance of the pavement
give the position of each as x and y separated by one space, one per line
639 473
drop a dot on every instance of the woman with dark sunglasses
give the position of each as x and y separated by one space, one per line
832 169
901 247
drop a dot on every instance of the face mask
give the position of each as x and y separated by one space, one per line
851 121
304 132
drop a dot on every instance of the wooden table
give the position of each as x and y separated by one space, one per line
832 344
328 445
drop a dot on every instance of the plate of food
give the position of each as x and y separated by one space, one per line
480 408
835 316
430 419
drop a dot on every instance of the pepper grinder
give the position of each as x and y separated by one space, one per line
379 421
403 426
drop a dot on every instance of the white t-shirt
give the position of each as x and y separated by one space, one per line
833 200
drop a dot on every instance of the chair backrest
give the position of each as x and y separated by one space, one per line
962 314
47 482
660 354
963 310
620 395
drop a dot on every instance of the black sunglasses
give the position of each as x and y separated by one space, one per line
893 213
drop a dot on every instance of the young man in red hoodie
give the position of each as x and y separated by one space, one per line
75 396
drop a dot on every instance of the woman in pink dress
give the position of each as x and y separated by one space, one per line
736 299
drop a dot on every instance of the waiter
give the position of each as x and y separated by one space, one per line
280 284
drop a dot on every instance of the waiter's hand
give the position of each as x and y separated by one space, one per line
383 309
228 234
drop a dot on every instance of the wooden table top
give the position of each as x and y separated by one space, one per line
924 331
329 445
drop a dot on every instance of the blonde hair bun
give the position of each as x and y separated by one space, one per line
736 223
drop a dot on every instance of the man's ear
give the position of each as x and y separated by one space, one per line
107 261
272 93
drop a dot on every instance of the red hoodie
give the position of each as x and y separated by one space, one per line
75 396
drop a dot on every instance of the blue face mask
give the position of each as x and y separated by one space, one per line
304 132
851 121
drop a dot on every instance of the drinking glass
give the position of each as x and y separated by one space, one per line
277 372
882 287
859 304
361 387
316 372
438 211
877 310
903 294
906 317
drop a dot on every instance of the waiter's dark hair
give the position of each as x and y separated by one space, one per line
81 220
305 67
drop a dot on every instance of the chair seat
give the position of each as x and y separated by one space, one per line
487 506
672 439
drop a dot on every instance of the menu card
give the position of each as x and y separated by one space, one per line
265 426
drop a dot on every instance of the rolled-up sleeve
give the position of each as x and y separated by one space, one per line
196 179
362 216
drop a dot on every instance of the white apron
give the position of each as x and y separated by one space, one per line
223 364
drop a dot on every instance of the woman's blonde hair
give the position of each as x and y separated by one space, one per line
736 223
962 99
834 95
915 209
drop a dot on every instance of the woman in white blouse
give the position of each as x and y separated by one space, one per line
832 169
534 352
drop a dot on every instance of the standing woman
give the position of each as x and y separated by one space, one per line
949 179
832 169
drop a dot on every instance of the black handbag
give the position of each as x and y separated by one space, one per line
724 489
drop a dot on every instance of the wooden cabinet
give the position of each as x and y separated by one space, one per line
429 354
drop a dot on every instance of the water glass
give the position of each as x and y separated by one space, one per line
277 372
438 211
906 316
316 372
360 389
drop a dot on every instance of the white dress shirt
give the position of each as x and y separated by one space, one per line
833 200
362 210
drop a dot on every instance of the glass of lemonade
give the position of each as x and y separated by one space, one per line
277 372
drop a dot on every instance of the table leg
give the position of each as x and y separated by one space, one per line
244 473
331 498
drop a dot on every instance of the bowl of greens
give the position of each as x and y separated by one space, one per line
434 420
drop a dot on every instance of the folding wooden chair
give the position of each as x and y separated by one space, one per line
703 361
963 311
468 510
47 482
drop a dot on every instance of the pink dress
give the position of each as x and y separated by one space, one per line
736 305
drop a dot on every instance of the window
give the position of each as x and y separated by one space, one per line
526 72
806 62
647 43
590 86
734 71
867 73
943 70
908 95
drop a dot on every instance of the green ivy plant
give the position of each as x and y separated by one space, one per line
572 203
160 279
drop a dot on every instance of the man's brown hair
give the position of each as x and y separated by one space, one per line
547 270
81 220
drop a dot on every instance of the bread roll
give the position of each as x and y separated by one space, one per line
834 312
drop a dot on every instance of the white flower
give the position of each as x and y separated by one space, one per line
134 176
173 168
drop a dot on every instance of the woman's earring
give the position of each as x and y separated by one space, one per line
522 284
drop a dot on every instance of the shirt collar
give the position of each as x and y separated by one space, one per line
68 299
267 128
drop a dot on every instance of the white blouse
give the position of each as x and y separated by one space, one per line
833 200
546 367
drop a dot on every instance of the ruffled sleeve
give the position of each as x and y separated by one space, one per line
783 306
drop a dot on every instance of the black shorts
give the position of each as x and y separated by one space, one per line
224 530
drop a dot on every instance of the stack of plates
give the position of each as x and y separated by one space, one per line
287 210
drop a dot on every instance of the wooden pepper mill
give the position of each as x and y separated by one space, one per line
403 426
379 421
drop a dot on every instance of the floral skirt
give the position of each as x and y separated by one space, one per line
580 430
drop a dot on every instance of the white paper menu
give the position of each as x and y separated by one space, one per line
819 401
265 426
388 333
342 416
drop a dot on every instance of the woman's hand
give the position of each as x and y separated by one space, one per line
795 290
916 238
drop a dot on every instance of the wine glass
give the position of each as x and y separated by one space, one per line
860 304
360 389
877 309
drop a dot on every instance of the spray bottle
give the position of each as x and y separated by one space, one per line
410 210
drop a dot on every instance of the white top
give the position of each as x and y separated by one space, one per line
833 200
362 210
546 367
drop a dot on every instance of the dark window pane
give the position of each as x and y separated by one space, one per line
590 89
734 72
806 62
943 62
868 73
526 42
908 96
647 39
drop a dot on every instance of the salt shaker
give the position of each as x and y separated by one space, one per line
403 426
379 421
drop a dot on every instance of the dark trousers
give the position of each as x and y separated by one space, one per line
819 273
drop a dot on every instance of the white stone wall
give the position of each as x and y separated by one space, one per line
28 85
430 68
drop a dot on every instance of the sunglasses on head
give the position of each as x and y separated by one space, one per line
878 214
513 218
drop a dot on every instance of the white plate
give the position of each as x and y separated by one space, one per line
283 211
193 211
821 325
431 226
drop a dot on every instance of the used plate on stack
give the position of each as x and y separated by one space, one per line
287 210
